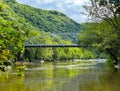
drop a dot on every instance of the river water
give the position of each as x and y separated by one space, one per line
64 77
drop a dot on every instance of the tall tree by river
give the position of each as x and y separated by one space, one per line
104 33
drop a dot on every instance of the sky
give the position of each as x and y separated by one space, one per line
71 8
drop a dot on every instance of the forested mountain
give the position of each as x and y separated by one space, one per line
19 22
44 20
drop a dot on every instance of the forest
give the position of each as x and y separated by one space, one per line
20 22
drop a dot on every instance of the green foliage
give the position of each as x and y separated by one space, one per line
102 37
4 55
20 22
59 54
20 70
48 21
4 71
13 1
13 33
107 12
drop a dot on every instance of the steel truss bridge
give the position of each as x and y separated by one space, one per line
58 40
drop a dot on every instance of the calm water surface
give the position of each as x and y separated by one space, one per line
64 77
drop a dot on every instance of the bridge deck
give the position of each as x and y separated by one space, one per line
53 45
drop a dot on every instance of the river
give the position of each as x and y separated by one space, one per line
64 77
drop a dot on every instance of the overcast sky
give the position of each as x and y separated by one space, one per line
71 8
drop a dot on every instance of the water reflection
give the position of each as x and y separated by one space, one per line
64 77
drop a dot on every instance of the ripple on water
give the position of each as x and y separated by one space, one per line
38 68
73 66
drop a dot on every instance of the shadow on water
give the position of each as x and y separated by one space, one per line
65 77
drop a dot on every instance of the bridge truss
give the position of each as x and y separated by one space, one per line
70 40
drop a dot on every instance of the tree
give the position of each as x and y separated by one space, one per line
101 37
106 12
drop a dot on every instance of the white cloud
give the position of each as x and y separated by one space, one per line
75 2
79 2
79 18
48 1
45 1
39 1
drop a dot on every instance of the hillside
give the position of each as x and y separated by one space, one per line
44 20
19 22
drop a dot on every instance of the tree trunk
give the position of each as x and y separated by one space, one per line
113 56
36 53
19 56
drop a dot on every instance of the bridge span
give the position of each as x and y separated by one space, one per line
39 41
